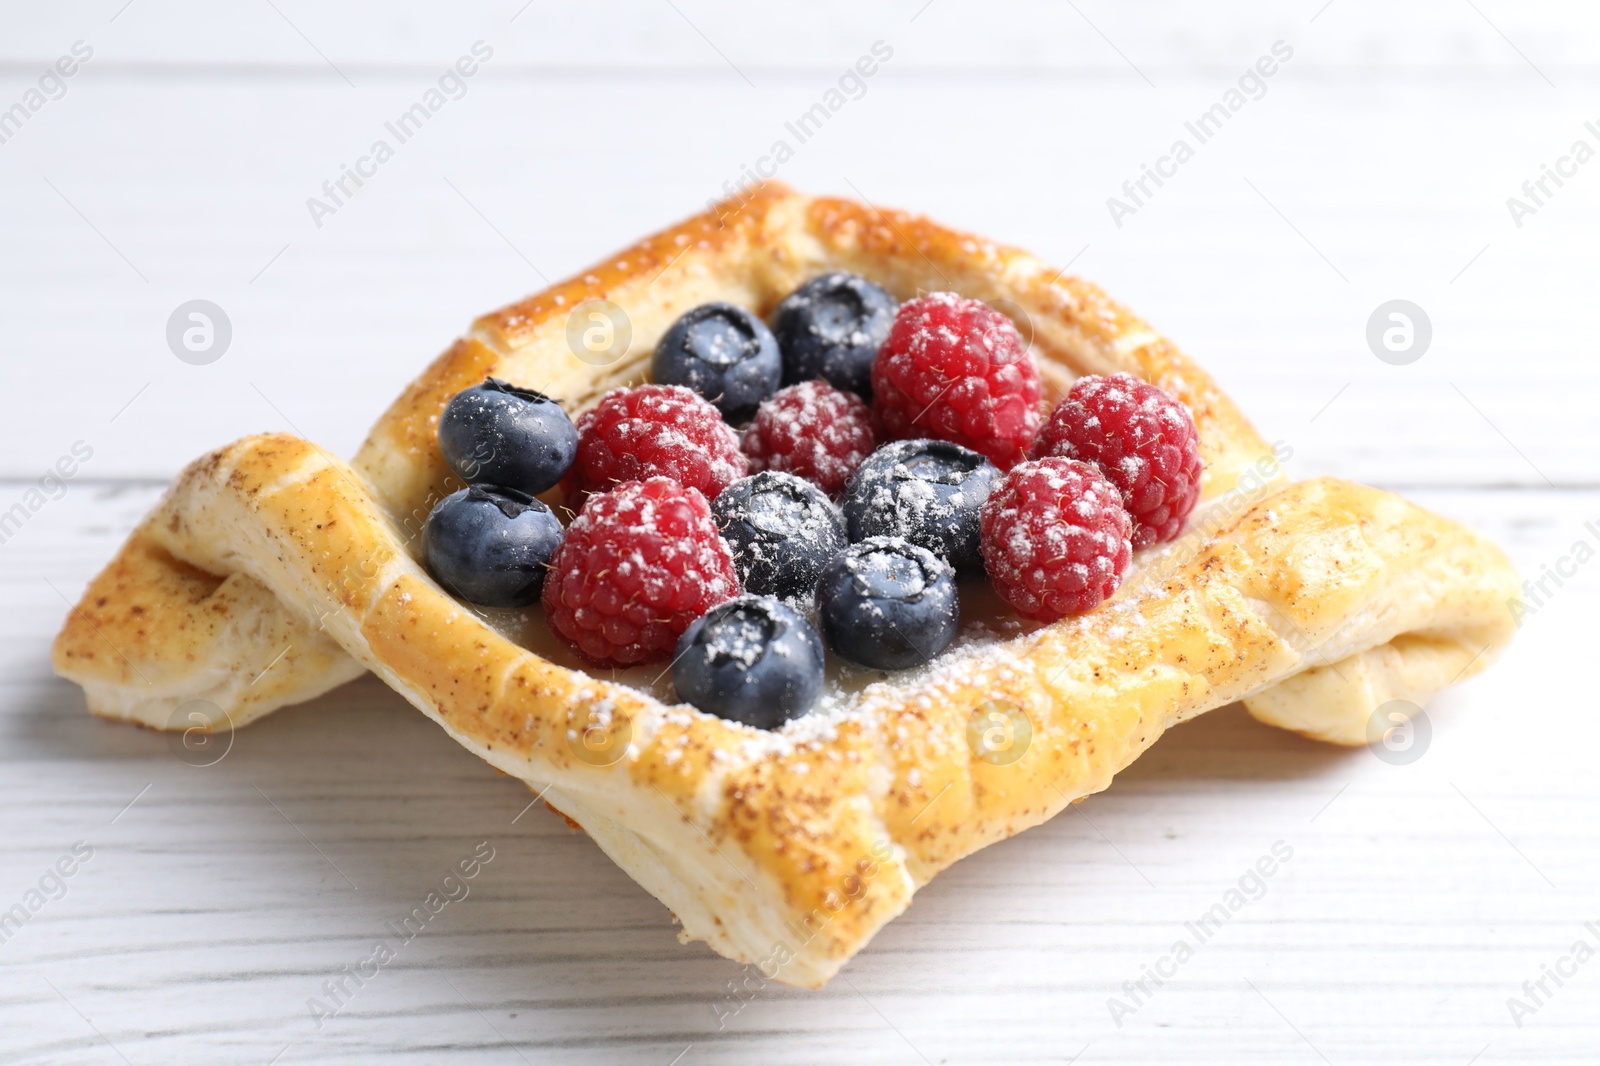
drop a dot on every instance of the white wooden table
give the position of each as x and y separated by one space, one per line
217 900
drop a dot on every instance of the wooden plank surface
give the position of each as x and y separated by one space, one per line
219 899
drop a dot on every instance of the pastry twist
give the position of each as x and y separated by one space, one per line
272 572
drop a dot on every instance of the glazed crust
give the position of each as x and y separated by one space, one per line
271 560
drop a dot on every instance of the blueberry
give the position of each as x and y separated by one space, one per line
724 353
930 492
498 434
490 545
887 604
750 660
783 531
831 328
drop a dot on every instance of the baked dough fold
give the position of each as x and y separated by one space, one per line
272 572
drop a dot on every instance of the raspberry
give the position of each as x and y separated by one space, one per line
1055 538
956 370
1142 439
811 430
654 431
638 565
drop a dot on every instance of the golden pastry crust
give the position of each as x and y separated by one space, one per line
1314 602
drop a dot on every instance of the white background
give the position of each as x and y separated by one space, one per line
1376 166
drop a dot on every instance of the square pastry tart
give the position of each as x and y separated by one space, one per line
1050 564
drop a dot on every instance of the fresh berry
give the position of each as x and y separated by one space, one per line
654 431
782 532
498 434
811 430
489 545
639 564
887 604
831 328
1142 439
930 492
957 370
751 660
724 353
1055 538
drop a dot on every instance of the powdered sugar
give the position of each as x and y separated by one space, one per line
811 430
929 492
1055 538
1141 438
651 430
782 531
741 637
638 565
957 370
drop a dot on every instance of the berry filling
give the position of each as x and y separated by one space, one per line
649 570
490 545
930 492
957 370
498 434
782 531
639 564
654 431
1142 439
750 660
811 430
1055 538
724 353
831 328
887 604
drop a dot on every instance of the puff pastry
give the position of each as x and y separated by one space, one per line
272 572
